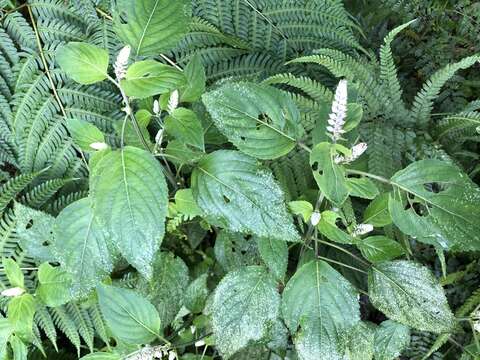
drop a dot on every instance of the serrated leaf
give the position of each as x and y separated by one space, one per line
301 207
330 177
55 285
196 294
185 203
228 184
449 205
151 27
391 338
235 250
245 305
179 153
409 294
361 342
328 228
147 78
168 285
20 312
184 125
274 253
130 317
327 313
83 133
82 246
13 272
362 187
20 350
84 63
129 196
259 120
379 248
377 213
196 80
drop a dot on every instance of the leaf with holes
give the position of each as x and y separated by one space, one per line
151 27
129 199
409 294
228 184
130 317
329 176
443 202
328 312
259 120
245 307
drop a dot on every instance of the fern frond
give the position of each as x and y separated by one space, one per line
66 325
40 194
13 187
84 325
44 321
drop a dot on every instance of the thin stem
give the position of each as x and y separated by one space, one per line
372 176
171 62
103 13
341 264
304 147
344 250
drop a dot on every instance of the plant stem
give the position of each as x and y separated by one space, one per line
341 264
372 176
345 251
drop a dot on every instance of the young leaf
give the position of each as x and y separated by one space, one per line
245 306
147 78
13 272
328 228
151 27
129 196
301 207
130 317
319 324
55 284
363 188
227 185
82 246
196 79
391 338
84 63
84 134
379 248
21 310
259 120
274 253
377 213
409 294
449 199
329 176
184 125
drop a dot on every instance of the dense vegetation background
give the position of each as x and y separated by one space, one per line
239 179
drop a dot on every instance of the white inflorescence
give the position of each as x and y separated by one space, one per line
315 218
338 115
99 146
173 102
362 229
121 63
357 151
13 292
156 107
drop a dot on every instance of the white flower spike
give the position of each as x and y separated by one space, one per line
338 115
120 66
315 218
362 229
173 101
357 151
99 146
156 107
13 292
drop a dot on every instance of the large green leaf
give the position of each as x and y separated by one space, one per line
151 26
20 313
361 342
54 285
130 317
167 287
391 338
330 176
147 78
82 246
185 126
379 248
235 193
245 306
84 63
260 120
320 308
196 80
274 253
130 200
235 250
409 294
6 331
449 200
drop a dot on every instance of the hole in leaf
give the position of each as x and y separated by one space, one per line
29 224
315 166
434 187
226 199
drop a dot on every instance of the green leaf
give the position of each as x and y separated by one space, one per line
259 120
55 284
328 228
6 330
391 338
362 187
320 308
130 317
20 350
129 196
235 250
151 27
361 342
227 185
13 272
82 246
301 207
449 205
84 134
196 80
21 310
245 306
274 253
130 135
379 248
329 176
167 287
377 213
101 356
196 294
179 153
84 63
409 294
184 125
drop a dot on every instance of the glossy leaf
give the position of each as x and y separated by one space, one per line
409 294
84 63
184 125
379 248
130 317
129 196
227 185
391 338
245 305
328 311
55 285
259 120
